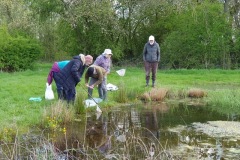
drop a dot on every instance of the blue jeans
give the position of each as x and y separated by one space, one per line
102 88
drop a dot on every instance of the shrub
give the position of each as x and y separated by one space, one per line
17 53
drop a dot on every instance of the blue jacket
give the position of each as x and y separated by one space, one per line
71 74
151 53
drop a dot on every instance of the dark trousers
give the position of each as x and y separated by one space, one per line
70 95
150 67
61 94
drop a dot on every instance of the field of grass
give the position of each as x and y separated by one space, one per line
18 113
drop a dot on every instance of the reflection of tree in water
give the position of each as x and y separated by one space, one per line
122 126
150 119
97 134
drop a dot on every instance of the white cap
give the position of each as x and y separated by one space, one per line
107 51
151 38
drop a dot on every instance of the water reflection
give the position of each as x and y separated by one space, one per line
150 131
171 126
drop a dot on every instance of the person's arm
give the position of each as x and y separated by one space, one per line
74 70
86 79
98 61
144 52
158 53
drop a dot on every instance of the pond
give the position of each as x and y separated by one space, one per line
149 131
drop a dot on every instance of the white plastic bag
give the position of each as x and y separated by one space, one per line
92 102
111 87
49 95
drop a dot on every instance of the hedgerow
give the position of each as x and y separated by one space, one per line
17 53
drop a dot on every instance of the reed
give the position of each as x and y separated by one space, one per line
224 99
58 113
79 105
121 95
129 146
155 94
196 93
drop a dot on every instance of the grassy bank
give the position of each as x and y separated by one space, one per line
18 112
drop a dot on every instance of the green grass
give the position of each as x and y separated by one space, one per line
20 113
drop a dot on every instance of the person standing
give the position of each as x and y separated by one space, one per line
71 75
151 58
97 75
57 66
104 61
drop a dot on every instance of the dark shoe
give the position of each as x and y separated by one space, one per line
153 83
147 82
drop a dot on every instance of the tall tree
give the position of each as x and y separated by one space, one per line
200 39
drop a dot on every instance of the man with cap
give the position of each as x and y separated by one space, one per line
151 58
104 61
97 75
71 75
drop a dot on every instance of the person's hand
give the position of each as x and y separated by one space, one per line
92 86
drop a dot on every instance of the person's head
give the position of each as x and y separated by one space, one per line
151 39
107 53
90 71
88 60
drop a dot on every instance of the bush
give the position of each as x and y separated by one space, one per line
17 53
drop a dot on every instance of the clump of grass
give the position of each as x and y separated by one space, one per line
58 113
158 94
171 94
182 93
155 94
121 95
132 94
225 99
196 93
79 105
145 97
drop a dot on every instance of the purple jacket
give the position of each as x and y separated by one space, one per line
57 66
103 62
54 68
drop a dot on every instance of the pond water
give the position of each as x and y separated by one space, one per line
182 131
158 131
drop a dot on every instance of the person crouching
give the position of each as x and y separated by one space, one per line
97 75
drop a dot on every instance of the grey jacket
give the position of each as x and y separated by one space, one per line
151 53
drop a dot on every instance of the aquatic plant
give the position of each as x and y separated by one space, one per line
196 93
58 113
121 95
224 99
155 94
127 145
79 105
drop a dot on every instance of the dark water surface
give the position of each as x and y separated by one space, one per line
148 131
181 130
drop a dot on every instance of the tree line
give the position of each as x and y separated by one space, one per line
191 33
